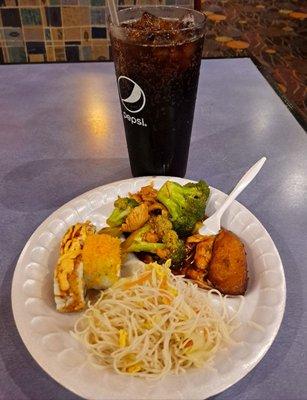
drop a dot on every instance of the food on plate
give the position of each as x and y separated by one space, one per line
101 256
87 261
68 275
154 324
136 218
147 194
170 232
115 231
157 237
149 318
228 269
217 261
156 225
203 253
185 203
122 207
198 256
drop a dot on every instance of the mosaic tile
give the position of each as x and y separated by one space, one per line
34 34
47 34
10 17
57 34
31 16
86 34
17 54
69 2
72 34
29 3
99 33
60 53
98 16
73 43
131 2
35 47
53 16
13 35
72 53
185 3
86 54
11 3
98 2
25 3
50 53
100 53
76 16
34 58
44 17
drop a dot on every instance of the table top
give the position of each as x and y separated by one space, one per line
61 134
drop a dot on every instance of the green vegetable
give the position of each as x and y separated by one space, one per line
136 242
175 246
186 204
123 206
115 232
167 246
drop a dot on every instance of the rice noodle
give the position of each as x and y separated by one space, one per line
154 324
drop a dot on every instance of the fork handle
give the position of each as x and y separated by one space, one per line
241 185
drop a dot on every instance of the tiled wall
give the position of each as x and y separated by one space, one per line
58 30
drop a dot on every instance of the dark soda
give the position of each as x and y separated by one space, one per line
157 63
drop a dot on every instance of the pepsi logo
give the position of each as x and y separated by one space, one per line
131 94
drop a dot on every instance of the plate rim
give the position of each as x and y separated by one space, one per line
256 360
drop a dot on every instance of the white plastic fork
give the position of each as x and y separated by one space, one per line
212 225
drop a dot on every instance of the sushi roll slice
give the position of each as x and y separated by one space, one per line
101 257
69 285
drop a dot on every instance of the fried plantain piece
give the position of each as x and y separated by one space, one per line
228 266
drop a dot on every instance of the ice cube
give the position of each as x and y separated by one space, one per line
187 21
148 22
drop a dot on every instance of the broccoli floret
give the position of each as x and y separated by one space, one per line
174 246
123 206
186 204
161 225
156 237
137 242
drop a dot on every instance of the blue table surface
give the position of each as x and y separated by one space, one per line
61 134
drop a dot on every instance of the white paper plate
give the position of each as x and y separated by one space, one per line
45 332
